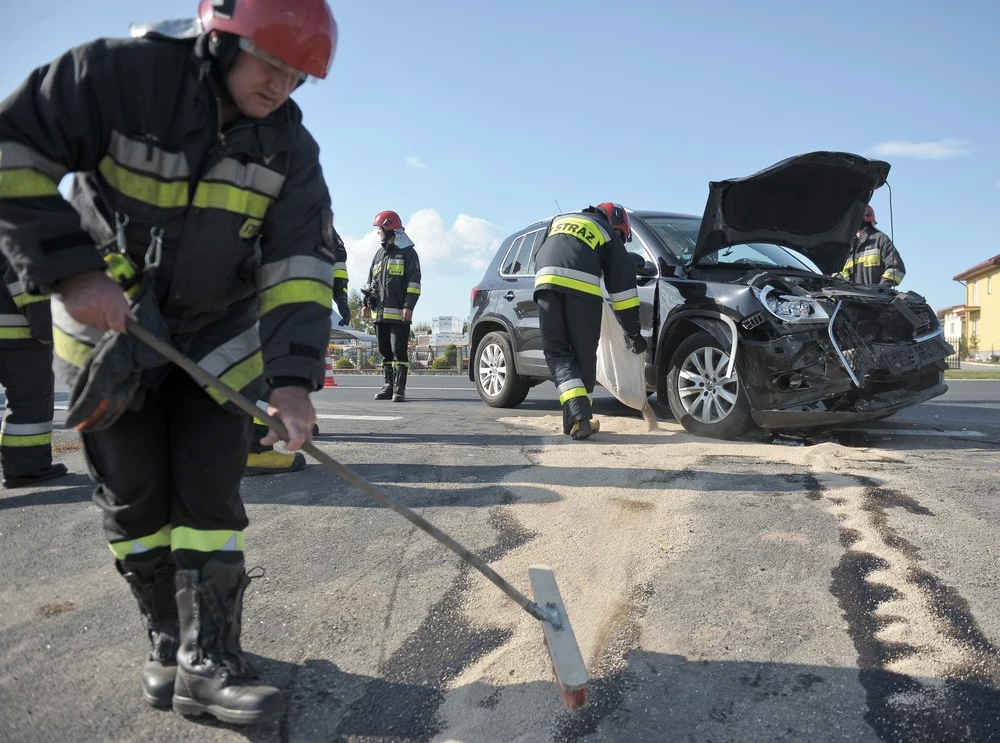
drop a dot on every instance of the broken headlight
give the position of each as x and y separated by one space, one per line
789 307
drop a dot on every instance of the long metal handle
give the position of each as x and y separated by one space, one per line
209 380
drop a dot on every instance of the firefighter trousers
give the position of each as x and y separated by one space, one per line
571 329
168 475
393 338
26 435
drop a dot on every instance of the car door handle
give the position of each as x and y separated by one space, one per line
509 296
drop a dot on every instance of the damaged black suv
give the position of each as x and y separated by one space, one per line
747 324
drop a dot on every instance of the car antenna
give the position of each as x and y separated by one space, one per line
559 208
892 231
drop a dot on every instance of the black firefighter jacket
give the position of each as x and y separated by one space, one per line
578 250
394 281
25 319
245 277
874 260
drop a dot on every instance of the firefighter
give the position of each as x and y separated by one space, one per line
265 459
579 249
390 295
26 374
873 258
193 167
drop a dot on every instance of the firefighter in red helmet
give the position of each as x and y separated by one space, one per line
579 249
390 295
198 192
873 259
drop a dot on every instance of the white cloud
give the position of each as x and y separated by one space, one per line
942 149
468 244
414 161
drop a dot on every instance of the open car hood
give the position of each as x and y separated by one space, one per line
812 203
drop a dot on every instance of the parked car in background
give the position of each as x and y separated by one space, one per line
747 323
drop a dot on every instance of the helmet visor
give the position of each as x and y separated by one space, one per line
250 48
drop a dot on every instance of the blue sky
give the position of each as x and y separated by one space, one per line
473 119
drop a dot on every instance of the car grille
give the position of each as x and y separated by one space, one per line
888 322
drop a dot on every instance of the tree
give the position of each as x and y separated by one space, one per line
422 328
354 301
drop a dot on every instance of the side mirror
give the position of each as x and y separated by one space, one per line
642 266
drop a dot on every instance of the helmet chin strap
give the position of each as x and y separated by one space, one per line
220 51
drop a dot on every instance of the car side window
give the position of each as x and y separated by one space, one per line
518 261
636 246
511 264
531 241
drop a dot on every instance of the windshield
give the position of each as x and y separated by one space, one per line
680 234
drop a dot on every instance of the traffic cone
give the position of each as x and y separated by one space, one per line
329 381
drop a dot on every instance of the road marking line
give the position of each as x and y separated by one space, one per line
329 417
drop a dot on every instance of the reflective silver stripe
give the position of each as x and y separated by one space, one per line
146 157
397 262
16 155
296 267
570 384
13 321
232 352
251 176
15 288
26 429
569 273
339 266
627 294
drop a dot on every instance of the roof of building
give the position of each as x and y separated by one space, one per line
980 268
945 310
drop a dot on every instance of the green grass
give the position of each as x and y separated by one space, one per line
962 374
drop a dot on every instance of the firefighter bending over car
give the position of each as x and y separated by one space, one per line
390 295
194 169
873 258
579 249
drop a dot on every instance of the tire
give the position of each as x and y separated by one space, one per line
498 384
698 401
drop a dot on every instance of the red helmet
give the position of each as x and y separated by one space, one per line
618 217
388 220
870 215
299 34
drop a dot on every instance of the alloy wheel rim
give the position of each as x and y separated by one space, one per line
492 370
705 392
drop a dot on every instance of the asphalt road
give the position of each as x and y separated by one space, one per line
820 586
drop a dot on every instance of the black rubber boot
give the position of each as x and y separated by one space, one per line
31 479
213 675
399 391
386 392
152 583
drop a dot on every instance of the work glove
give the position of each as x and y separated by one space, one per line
110 379
344 308
637 343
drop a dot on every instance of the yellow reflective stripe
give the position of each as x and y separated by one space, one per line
128 547
69 349
144 188
24 299
17 156
231 199
625 303
340 273
872 259
13 440
580 227
581 286
294 292
392 315
14 333
200 540
240 375
571 393
892 275
413 289
23 183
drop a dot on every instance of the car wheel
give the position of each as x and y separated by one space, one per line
701 398
498 384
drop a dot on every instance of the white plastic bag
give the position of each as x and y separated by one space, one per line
619 370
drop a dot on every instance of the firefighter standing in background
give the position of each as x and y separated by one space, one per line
390 295
265 459
193 166
873 258
578 250
26 374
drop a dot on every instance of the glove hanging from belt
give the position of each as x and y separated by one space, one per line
109 381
